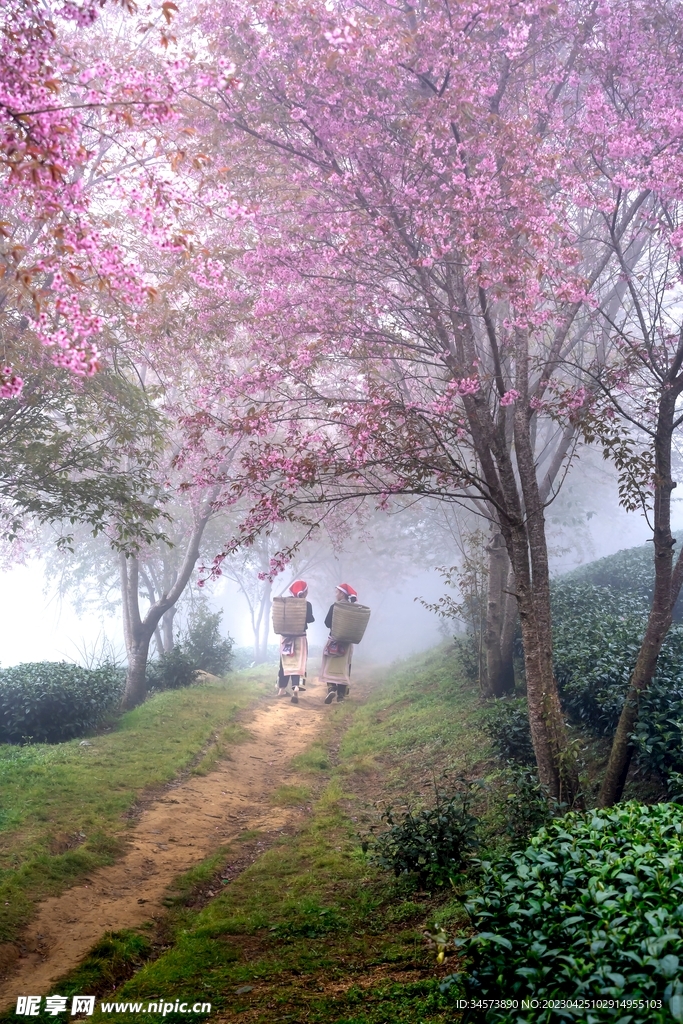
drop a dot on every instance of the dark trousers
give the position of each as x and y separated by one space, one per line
341 689
282 679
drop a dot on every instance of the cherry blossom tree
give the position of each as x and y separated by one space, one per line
80 105
452 196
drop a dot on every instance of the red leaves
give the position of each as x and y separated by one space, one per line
167 9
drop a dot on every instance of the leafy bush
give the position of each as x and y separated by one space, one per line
204 646
49 702
434 842
596 637
171 671
627 574
593 908
469 656
658 736
506 720
527 804
200 647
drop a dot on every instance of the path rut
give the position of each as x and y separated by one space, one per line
190 821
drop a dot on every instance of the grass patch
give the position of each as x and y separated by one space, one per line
315 759
290 796
66 802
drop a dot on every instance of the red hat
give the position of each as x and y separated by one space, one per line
347 589
299 588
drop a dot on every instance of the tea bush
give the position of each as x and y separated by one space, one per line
627 574
596 637
592 908
48 702
506 720
658 736
527 805
434 842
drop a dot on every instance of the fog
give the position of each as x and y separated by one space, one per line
585 522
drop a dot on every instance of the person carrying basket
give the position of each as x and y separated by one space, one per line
336 668
294 650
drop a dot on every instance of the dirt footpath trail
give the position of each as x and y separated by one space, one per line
186 824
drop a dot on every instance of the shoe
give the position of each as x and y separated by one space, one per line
340 700
330 697
282 693
295 698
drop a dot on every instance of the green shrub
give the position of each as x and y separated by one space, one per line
433 842
506 720
596 637
200 647
204 646
527 805
468 655
628 574
48 702
171 671
592 909
658 736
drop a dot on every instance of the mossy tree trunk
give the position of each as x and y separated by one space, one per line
500 677
668 581
138 631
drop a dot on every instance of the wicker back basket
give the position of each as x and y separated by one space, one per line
349 622
289 616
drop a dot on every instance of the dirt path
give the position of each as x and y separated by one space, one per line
183 827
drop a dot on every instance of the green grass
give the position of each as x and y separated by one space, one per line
421 708
311 930
290 796
65 804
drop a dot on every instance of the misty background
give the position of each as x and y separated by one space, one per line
391 569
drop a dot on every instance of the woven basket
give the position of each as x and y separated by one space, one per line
289 616
349 622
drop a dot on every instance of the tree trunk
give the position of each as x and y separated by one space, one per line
262 625
167 628
137 631
136 678
667 588
497 678
622 748
507 641
556 766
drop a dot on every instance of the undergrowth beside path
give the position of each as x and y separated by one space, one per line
64 807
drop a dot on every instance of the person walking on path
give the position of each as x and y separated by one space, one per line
336 670
294 651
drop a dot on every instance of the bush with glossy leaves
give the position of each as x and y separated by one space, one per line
48 702
200 647
506 720
434 843
591 909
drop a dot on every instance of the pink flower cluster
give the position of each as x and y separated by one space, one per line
10 384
